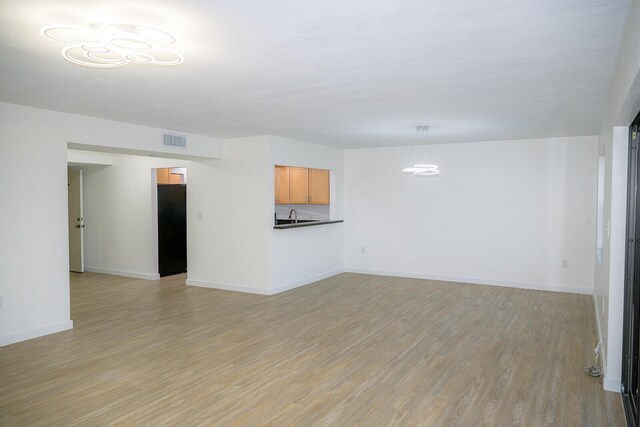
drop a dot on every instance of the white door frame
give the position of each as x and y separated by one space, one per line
76 220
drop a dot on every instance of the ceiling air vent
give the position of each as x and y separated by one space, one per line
174 141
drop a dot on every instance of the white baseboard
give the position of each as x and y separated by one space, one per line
133 274
35 333
611 384
306 281
262 291
476 281
228 287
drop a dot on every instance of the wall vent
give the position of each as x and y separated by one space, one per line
174 141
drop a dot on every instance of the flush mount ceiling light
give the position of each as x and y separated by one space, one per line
114 45
423 169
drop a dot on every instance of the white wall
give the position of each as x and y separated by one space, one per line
616 237
624 103
504 213
34 258
229 247
304 255
79 158
234 245
120 235
34 254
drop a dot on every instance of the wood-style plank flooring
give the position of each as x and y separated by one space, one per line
349 350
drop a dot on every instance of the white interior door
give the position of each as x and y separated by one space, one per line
76 223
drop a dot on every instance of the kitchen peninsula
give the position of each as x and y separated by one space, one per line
303 223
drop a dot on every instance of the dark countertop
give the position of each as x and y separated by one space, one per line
305 224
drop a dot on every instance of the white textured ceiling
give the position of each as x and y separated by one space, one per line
358 73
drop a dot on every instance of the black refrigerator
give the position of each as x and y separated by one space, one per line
172 229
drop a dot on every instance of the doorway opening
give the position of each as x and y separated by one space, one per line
172 220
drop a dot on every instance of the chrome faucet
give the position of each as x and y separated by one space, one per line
295 215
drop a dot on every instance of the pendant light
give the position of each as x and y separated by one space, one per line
423 169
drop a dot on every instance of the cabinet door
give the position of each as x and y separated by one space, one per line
282 184
175 178
162 176
298 186
318 187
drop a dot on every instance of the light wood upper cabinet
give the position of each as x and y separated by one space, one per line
318 187
282 184
301 186
176 178
165 176
298 186
162 176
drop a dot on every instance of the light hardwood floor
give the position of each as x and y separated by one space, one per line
349 350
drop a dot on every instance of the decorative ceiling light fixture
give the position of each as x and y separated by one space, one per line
114 45
423 169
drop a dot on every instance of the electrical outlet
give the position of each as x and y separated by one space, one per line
564 263
199 215
363 250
